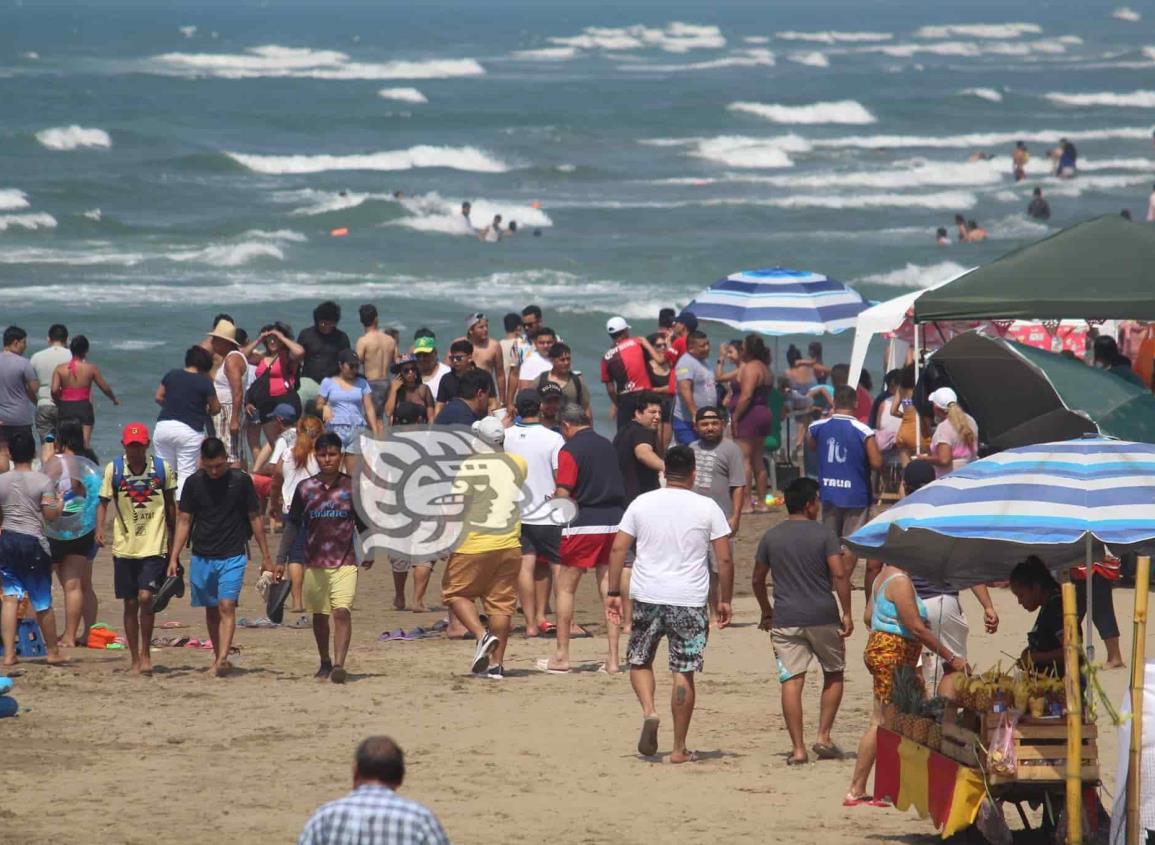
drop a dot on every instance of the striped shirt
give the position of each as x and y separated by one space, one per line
373 814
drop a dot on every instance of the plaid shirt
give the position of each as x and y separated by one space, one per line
373 815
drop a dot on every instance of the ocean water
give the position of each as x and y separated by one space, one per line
162 161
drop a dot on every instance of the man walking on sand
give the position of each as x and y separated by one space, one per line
377 352
19 389
588 473
323 508
805 562
674 528
142 489
220 511
488 356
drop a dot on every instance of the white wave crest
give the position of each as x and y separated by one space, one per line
979 30
944 200
989 94
974 49
980 139
188 31
914 174
433 213
1130 100
94 214
676 37
455 158
230 255
404 95
1126 13
325 202
546 54
743 58
756 39
915 275
274 60
134 345
12 199
88 257
744 151
839 111
73 137
834 37
278 235
814 58
1145 165
27 221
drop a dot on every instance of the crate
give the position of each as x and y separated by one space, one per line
1040 747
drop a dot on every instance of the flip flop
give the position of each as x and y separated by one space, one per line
440 625
648 741
791 761
867 800
542 665
827 752
174 624
389 636
207 645
193 643
547 628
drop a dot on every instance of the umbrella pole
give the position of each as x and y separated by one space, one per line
917 415
1074 778
1138 682
1090 602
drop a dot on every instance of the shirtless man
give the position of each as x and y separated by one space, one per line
377 352
511 351
488 356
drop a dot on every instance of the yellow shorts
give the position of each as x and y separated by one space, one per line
329 589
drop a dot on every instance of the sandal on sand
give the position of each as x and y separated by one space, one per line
867 800
827 751
547 628
542 665
648 741
389 636
794 761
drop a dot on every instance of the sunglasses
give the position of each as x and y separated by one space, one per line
457 357
408 370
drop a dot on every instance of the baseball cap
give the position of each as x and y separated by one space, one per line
917 474
490 430
473 319
550 390
528 402
285 412
348 356
616 324
943 398
424 344
403 361
687 319
135 433
708 413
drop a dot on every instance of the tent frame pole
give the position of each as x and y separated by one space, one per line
1135 834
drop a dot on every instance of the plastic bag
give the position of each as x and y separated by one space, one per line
1001 754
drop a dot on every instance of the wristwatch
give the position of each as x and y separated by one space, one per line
613 594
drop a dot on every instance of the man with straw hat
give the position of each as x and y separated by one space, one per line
229 376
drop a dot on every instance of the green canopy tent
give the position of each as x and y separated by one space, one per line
1020 395
1103 269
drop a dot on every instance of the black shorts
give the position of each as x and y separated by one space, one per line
130 575
292 399
84 546
81 411
667 410
6 432
543 541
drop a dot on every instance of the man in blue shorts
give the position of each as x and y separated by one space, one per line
219 509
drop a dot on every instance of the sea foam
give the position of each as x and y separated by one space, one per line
274 60
813 58
759 57
676 37
979 30
433 213
404 95
456 158
834 37
229 255
27 221
12 199
839 111
915 275
978 140
546 54
1128 100
1126 13
73 137
989 94
744 151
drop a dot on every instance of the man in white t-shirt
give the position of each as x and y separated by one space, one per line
674 529
540 537
539 362
45 363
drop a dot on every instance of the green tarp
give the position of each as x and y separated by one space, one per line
1020 395
1103 269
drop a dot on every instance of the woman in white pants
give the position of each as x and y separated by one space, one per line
187 401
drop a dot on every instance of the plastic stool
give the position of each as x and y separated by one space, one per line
8 706
29 643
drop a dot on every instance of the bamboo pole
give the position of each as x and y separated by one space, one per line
1135 833
1074 715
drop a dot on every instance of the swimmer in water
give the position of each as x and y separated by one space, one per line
1019 159
941 237
511 229
961 225
975 232
492 233
466 208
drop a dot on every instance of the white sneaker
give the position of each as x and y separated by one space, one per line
485 647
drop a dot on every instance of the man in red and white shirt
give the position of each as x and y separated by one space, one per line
624 370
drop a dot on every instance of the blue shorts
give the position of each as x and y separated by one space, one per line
350 435
216 579
297 550
684 432
26 569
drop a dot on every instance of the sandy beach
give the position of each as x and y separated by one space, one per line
103 755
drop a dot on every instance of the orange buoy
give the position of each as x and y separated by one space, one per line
339 233
535 204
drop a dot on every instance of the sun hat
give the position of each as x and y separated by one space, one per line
226 331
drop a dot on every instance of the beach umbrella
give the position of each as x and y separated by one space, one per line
1020 395
779 301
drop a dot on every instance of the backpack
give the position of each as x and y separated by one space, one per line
159 474
574 377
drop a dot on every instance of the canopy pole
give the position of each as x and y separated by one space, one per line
1135 834
1074 778
917 415
1090 601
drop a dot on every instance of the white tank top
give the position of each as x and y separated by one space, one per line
221 380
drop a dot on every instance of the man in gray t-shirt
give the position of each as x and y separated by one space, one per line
697 386
804 558
720 472
44 363
18 386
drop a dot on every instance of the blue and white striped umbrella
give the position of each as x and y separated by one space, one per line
974 525
780 301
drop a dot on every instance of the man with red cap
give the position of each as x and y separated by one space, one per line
142 489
